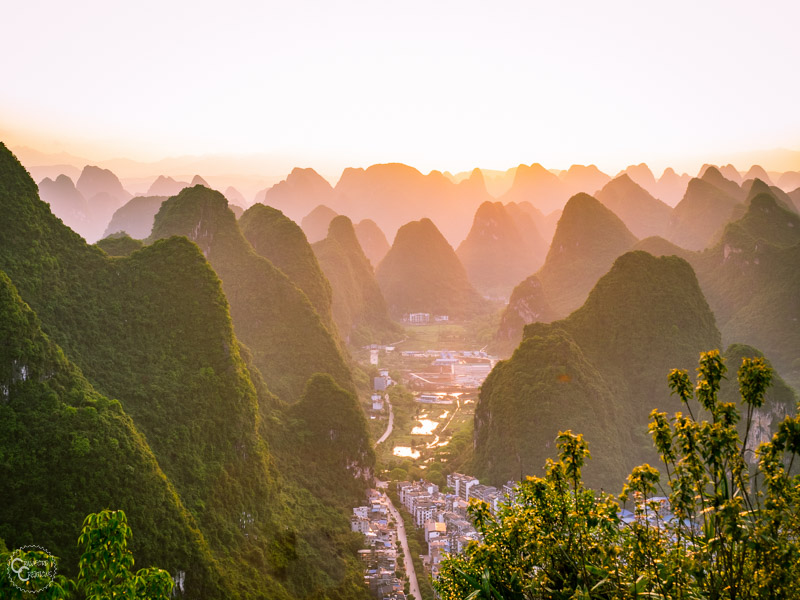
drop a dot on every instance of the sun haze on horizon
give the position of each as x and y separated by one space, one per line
444 86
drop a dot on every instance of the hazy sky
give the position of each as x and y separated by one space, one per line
447 85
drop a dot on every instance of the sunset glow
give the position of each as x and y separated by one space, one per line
449 85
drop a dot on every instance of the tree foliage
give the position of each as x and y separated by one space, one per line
104 569
720 529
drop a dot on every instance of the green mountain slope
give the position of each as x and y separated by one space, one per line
272 316
421 273
154 331
528 304
359 308
280 240
587 241
704 210
119 244
752 281
68 451
599 372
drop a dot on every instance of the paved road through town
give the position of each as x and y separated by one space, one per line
389 427
413 585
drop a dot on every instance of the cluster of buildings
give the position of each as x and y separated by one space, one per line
424 318
380 555
443 516
449 369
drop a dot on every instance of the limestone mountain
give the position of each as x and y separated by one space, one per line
359 308
166 186
67 203
197 180
756 187
580 178
326 434
752 282
528 304
587 241
714 176
135 217
372 240
728 171
643 214
788 181
658 246
795 196
671 186
119 244
154 331
277 238
642 176
533 224
234 196
758 172
497 254
50 415
393 194
104 194
298 194
537 185
272 316
599 372
422 273
133 331
94 180
704 210
315 224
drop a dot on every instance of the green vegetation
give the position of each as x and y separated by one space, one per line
272 316
528 304
752 282
722 533
590 372
588 239
704 210
153 330
359 308
119 244
104 567
421 273
326 431
280 240
66 451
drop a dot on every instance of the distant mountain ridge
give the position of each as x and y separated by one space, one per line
498 253
422 273
359 308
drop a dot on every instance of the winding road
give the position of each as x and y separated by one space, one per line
389 427
413 585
